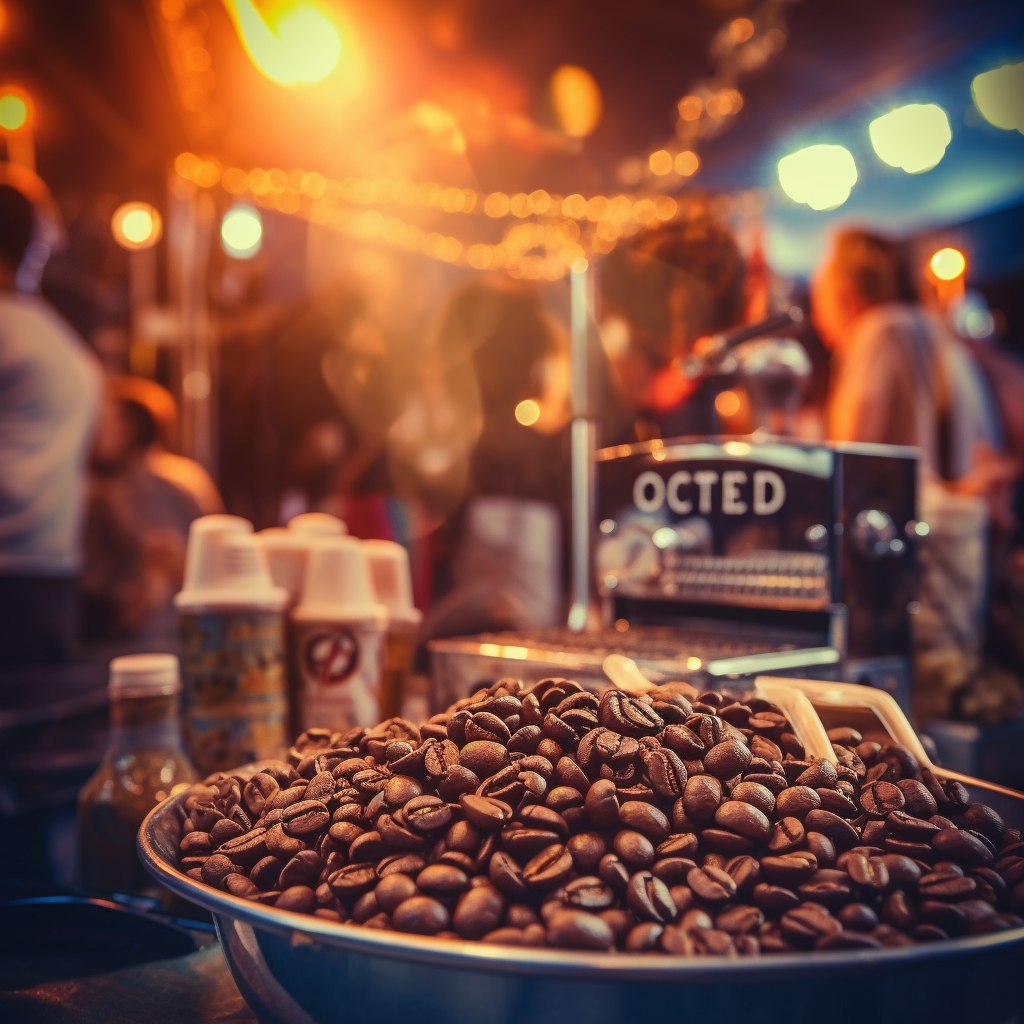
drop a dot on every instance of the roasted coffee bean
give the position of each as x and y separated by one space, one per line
744 819
645 818
741 920
701 797
649 898
507 876
549 868
713 885
628 715
962 846
303 869
246 849
478 912
858 917
948 887
634 849
879 799
790 869
589 893
602 804
821 774
726 759
485 812
805 924
442 880
239 885
425 813
787 834
305 819
686 743
394 889
576 929
754 793
421 915
796 802
643 937
484 758
838 830
587 849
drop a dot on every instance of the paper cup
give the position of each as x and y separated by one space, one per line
336 641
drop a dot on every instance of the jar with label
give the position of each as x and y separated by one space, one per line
144 763
231 619
337 641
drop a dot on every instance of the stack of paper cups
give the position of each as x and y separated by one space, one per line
392 584
337 640
287 548
231 617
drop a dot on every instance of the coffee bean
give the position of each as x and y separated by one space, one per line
687 744
821 774
589 893
787 834
741 920
879 799
645 818
394 889
713 885
353 880
962 846
549 868
246 849
744 819
628 715
602 804
634 849
701 797
485 812
577 929
726 759
753 793
805 924
649 898
420 915
841 832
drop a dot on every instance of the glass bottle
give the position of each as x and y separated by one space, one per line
144 763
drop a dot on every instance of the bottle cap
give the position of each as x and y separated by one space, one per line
144 675
226 568
392 580
318 524
337 587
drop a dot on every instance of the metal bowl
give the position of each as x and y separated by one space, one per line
297 969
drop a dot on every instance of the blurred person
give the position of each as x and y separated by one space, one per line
660 293
137 522
186 474
49 396
899 376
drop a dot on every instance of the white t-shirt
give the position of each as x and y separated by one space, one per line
49 397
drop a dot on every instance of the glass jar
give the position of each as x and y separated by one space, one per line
144 763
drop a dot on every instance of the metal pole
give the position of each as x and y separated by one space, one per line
583 442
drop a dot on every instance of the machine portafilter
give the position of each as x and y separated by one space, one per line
774 370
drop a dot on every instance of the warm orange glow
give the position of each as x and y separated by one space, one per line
948 264
727 404
291 42
136 226
687 163
15 108
725 102
660 161
3 19
740 30
496 205
690 108
576 99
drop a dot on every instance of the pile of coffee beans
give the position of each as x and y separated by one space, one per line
550 816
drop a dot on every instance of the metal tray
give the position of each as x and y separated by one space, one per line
296 969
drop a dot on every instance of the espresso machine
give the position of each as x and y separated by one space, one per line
717 559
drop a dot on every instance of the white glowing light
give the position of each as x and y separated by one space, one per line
999 95
241 232
948 264
819 176
528 412
913 137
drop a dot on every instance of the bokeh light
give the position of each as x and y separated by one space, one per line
136 226
947 264
15 109
576 100
241 232
819 176
298 43
913 137
527 412
727 404
999 95
660 161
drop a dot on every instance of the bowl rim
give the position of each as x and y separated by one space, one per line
466 954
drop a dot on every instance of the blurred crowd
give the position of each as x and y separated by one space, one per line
454 442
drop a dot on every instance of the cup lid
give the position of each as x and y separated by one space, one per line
392 580
318 524
337 587
225 566
144 675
